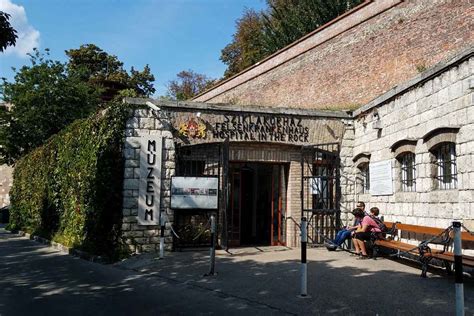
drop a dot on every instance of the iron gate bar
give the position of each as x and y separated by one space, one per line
320 189
189 159
225 191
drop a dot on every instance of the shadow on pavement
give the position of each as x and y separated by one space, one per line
337 283
38 280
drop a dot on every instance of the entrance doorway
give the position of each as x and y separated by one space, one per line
257 204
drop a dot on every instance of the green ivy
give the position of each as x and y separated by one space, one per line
70 189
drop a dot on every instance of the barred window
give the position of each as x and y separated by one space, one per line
191 168
446 170
364 178
408 172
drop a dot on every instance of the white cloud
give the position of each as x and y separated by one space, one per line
28 36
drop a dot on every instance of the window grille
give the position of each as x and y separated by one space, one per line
191 168
446 170
408 172
364 178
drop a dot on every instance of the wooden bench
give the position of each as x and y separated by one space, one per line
425 250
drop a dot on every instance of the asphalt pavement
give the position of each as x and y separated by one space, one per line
338 284
39 280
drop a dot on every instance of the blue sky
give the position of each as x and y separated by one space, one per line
169 35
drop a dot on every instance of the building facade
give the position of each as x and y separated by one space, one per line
260 157
424 131
409 152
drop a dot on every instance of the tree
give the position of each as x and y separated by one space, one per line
188 84
7 32
260 34
288 20
105 72
247 46
45 99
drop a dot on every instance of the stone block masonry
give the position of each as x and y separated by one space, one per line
441 97
6 181
321 127
139 237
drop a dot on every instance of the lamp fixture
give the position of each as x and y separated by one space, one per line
376 124
153 106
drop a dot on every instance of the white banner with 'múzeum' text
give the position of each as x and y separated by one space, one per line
150 180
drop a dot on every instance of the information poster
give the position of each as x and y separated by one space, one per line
381 178
194 192
150 180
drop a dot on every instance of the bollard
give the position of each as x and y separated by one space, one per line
304 268
213 245
162 234
458 277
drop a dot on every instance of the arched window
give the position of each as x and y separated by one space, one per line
361 161
407 171
404 151
446 170
364 177
442 145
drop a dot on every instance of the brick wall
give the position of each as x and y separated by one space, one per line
366 60
445 99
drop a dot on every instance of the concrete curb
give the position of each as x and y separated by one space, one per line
62 248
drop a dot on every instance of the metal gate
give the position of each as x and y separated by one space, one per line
320 190
192 226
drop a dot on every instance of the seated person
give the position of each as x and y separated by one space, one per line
346 232
363 233
374 212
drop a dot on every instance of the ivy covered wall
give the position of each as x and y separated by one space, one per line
70 189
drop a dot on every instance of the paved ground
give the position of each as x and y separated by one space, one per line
338 283
38 280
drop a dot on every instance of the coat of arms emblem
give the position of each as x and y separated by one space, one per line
192 129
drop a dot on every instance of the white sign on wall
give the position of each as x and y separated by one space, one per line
150 180
194 192
381 178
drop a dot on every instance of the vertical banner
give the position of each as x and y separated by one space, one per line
149 189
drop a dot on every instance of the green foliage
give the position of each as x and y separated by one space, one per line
187 85
91 64
7 32
260 34
289 20
48 95
45 99
421 67
70 188
247 46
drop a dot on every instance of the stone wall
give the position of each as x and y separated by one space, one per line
6 181
351 61
441 97
138 237
322 128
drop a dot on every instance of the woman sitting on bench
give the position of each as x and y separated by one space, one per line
363 233
346 232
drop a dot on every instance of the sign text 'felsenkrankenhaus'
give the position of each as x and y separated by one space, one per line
261 128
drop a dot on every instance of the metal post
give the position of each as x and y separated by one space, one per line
304 268
213 245
458 277
162 234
